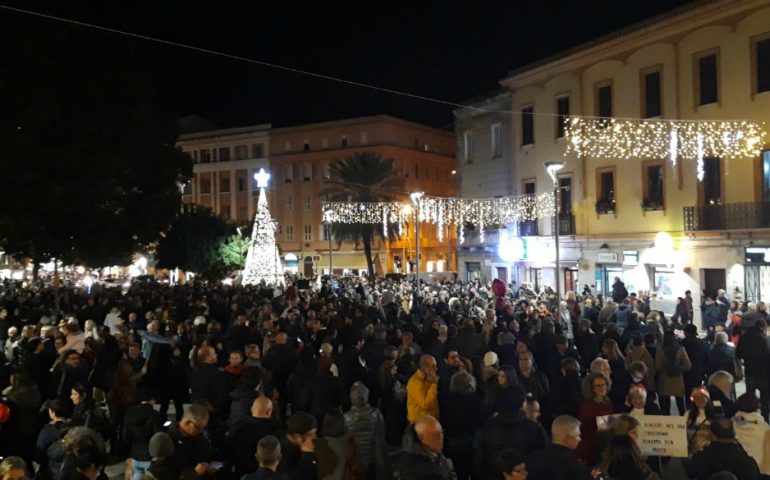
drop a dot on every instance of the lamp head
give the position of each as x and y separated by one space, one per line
416 196
552 168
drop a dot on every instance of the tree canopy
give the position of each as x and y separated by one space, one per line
363 177
202 242
89 158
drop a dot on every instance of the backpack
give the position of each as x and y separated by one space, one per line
671 368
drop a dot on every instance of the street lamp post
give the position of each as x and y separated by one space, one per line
552 168
329 234
416 196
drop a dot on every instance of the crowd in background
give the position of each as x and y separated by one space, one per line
348 379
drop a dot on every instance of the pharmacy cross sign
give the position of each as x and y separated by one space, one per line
262 177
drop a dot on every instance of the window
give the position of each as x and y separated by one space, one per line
712 181
290 204
416 170
307 172
306 203
761 63
224 154
194 155
707 66
327 170
306 146
344 141
308 233
497 140
242 213
565 196
290 232
326 234
766 176
604 100
288 173
605 194
364 138
224 184
241 184
205 156
653 186
205 186
468 146
240 152
257 150
527 126
562 115
651 95
528 228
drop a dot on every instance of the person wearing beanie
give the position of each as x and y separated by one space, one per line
269 456
298 459
752 431
723 454
367 425
161 449
509 428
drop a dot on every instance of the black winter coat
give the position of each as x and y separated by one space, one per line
722 456
753 349
505 431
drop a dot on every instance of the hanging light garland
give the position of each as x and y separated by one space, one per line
636 138
443 211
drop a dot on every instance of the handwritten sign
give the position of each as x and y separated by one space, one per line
657 435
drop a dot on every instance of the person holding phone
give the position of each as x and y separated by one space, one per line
422 390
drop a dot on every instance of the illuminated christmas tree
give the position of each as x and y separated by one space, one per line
263 262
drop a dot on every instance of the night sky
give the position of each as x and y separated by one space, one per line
442 49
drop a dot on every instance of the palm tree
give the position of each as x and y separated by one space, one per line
363 177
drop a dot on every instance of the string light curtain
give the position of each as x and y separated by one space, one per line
443 211
664 139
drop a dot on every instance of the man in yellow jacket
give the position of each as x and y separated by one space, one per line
422 390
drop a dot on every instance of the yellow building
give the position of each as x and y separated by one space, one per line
298 159
704 61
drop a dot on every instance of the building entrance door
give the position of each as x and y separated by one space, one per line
713 280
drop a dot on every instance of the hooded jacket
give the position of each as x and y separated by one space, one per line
753 433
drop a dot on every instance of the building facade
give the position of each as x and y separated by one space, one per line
652 224
485 168
299 158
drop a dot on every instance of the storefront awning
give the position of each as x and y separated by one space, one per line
353 261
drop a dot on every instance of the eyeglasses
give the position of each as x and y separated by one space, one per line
600 385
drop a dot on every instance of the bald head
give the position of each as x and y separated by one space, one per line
262 407
427 361
281 338
430 433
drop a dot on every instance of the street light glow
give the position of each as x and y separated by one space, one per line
552 168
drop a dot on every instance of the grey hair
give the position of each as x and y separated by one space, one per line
562 426
462 382
720 338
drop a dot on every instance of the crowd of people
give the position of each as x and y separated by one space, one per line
356 380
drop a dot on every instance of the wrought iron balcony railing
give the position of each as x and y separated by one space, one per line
730 216
566 224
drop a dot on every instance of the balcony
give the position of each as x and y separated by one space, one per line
566 224
731 216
